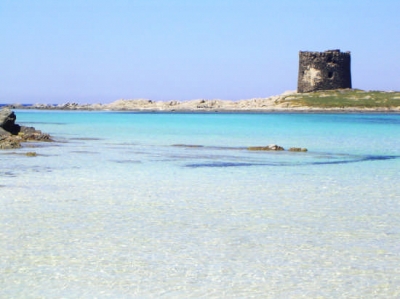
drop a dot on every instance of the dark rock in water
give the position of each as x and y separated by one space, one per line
297 149
274 147
7 121
12 134
271 147
30 133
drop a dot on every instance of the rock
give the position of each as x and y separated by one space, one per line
12 134
27 130
4 133
298 149
9 142
31 154
42 106
41 137
271 147
31 134
208 104
173 103
68 106
6 115
7 121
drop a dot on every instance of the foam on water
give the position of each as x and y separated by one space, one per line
173 205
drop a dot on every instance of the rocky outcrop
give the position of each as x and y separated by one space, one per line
9 142
271 147
297 149
4 133
12 134
274 147
7 121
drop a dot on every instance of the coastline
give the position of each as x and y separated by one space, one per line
336 101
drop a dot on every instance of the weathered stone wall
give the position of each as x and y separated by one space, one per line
323 70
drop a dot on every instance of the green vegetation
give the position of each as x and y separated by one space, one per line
343 98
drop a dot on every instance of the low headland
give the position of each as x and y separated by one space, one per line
340 100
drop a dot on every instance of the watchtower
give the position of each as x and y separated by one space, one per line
323 70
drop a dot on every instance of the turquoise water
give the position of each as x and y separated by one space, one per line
130 205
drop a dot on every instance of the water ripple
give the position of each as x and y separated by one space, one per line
329 162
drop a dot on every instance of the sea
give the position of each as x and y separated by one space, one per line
175 205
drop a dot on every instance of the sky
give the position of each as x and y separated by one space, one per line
98 51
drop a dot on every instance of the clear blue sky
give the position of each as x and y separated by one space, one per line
87 51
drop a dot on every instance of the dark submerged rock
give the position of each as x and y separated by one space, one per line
274 147
298 149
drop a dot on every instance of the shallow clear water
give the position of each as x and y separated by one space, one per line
128 205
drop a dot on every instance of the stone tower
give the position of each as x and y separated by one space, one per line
323 70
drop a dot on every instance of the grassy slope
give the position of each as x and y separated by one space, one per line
344 98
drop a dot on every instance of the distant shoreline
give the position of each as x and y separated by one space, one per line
221 111
334 101
305 110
